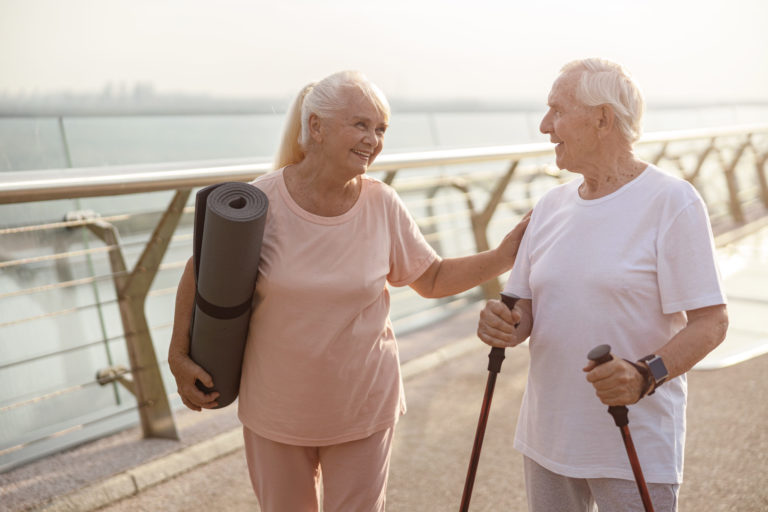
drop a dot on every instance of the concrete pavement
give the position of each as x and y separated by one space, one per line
726 456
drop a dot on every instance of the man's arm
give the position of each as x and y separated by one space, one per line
619 383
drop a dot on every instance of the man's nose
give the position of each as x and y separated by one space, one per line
546 124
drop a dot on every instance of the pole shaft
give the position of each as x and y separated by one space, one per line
635 463
602 354
478 445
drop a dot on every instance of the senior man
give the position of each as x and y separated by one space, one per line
622 255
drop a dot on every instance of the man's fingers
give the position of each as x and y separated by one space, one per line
495 339
613 382
498 316
496 325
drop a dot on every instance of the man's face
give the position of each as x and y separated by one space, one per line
570 124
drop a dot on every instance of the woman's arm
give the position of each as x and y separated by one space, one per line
184 369
454 275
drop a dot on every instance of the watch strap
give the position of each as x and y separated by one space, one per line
647 377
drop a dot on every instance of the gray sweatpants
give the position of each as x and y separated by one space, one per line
550 492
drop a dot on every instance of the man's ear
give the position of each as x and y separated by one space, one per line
606 119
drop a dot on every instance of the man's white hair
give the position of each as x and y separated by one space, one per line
604 82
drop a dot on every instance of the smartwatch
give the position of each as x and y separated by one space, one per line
658 370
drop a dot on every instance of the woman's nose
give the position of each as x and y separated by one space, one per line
369 136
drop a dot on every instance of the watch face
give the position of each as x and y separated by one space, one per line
658 370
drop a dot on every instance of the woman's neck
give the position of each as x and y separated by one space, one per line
319 191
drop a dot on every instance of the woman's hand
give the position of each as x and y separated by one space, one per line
186 372
511 242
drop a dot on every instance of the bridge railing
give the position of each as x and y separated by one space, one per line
90 258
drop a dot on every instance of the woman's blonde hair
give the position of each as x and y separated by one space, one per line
324 99
605 82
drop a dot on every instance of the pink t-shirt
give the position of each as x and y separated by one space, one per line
321 364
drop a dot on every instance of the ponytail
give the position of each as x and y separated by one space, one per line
290 151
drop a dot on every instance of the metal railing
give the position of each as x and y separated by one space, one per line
101 280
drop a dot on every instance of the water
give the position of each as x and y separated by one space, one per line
38 143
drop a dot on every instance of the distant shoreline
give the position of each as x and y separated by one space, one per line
97 106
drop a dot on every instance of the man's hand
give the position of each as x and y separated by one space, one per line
496 326
616 382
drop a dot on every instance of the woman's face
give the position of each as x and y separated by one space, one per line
571 125
353 137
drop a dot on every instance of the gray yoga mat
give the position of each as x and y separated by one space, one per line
229 227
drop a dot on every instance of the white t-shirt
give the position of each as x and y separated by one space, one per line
321 364
621 270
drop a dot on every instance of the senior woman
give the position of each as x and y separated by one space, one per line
623 256
321 389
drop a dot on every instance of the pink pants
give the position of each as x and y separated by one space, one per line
288 478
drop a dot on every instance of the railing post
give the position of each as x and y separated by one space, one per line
737 212
390 177
760 161
154 407
481 220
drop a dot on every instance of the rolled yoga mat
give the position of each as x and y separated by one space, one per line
229 227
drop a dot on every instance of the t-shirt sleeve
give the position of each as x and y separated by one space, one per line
410 255
687 269
518 282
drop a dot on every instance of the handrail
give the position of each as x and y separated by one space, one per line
460 209
25 186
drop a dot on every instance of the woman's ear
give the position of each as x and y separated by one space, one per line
315 125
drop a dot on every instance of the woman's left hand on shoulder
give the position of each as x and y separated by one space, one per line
511 242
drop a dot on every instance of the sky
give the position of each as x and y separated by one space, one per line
414 49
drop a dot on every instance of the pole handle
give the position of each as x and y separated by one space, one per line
509 299
602 354
496 357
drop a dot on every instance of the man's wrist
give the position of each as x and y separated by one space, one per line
645 373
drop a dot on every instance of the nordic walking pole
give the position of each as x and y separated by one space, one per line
602 354
495 358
